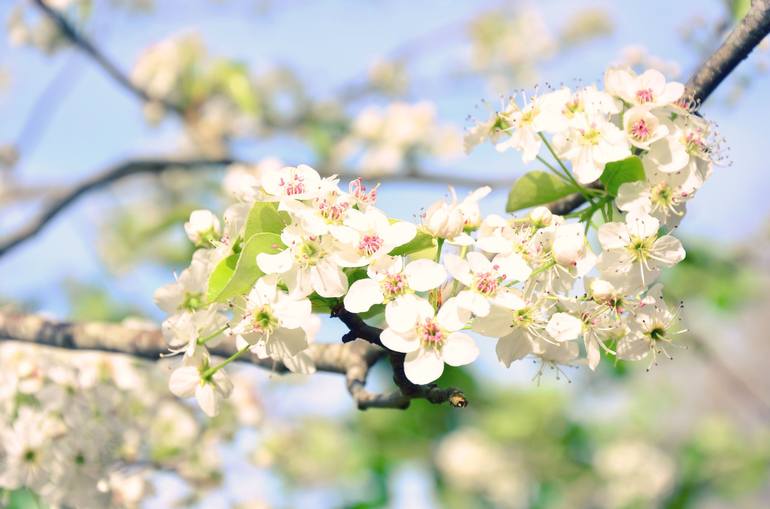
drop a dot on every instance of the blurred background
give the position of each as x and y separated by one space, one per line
382 89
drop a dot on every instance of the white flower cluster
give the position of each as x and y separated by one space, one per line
89 430
385 140
532 283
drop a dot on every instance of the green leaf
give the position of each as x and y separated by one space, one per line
23 498
739 8
537 188
420 242
620 172
264 217
236 274
220 276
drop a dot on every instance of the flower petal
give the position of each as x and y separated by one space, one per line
423 366
459 349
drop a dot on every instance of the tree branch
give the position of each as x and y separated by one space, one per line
353 359
128 168
746 35
101 179
112 70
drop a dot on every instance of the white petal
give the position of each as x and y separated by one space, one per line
423 275
328 279
275 263
459 349
459 269
183 381
399 342
473 302
400 233
207 399
451 316
513 266
642 226
668 250
613 235
401 314
512 347
423 366
362 295
479 263
564 327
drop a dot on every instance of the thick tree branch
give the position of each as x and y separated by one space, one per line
353 359
88 48
746 35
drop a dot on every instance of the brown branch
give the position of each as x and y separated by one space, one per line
155 166
111 174
353 359
746 35
113 71
407 391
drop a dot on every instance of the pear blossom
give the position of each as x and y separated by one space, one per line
298 183
589 144
661 195
433 340
392 282
634 252
642 127
485 280
539 114
188 292
307 265
652 328
647 89
272 323
203 227
447 220
191 379
367 236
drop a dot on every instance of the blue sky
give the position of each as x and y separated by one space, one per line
329 42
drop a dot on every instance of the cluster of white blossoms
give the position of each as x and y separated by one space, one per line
296 243
385 140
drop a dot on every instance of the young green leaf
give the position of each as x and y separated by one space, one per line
264 217
245 272
537 188
620 172
420 242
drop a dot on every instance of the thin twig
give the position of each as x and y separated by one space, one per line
87 47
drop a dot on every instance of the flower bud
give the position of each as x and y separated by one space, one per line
203 227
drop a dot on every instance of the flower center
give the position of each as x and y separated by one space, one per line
658 332
393 286
308 254
662 196
264 321
522 317
293 185
640 247
332 208
431 335
695 144
572 107
488 282
192 301
370 244
644 95
591 136
640 130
